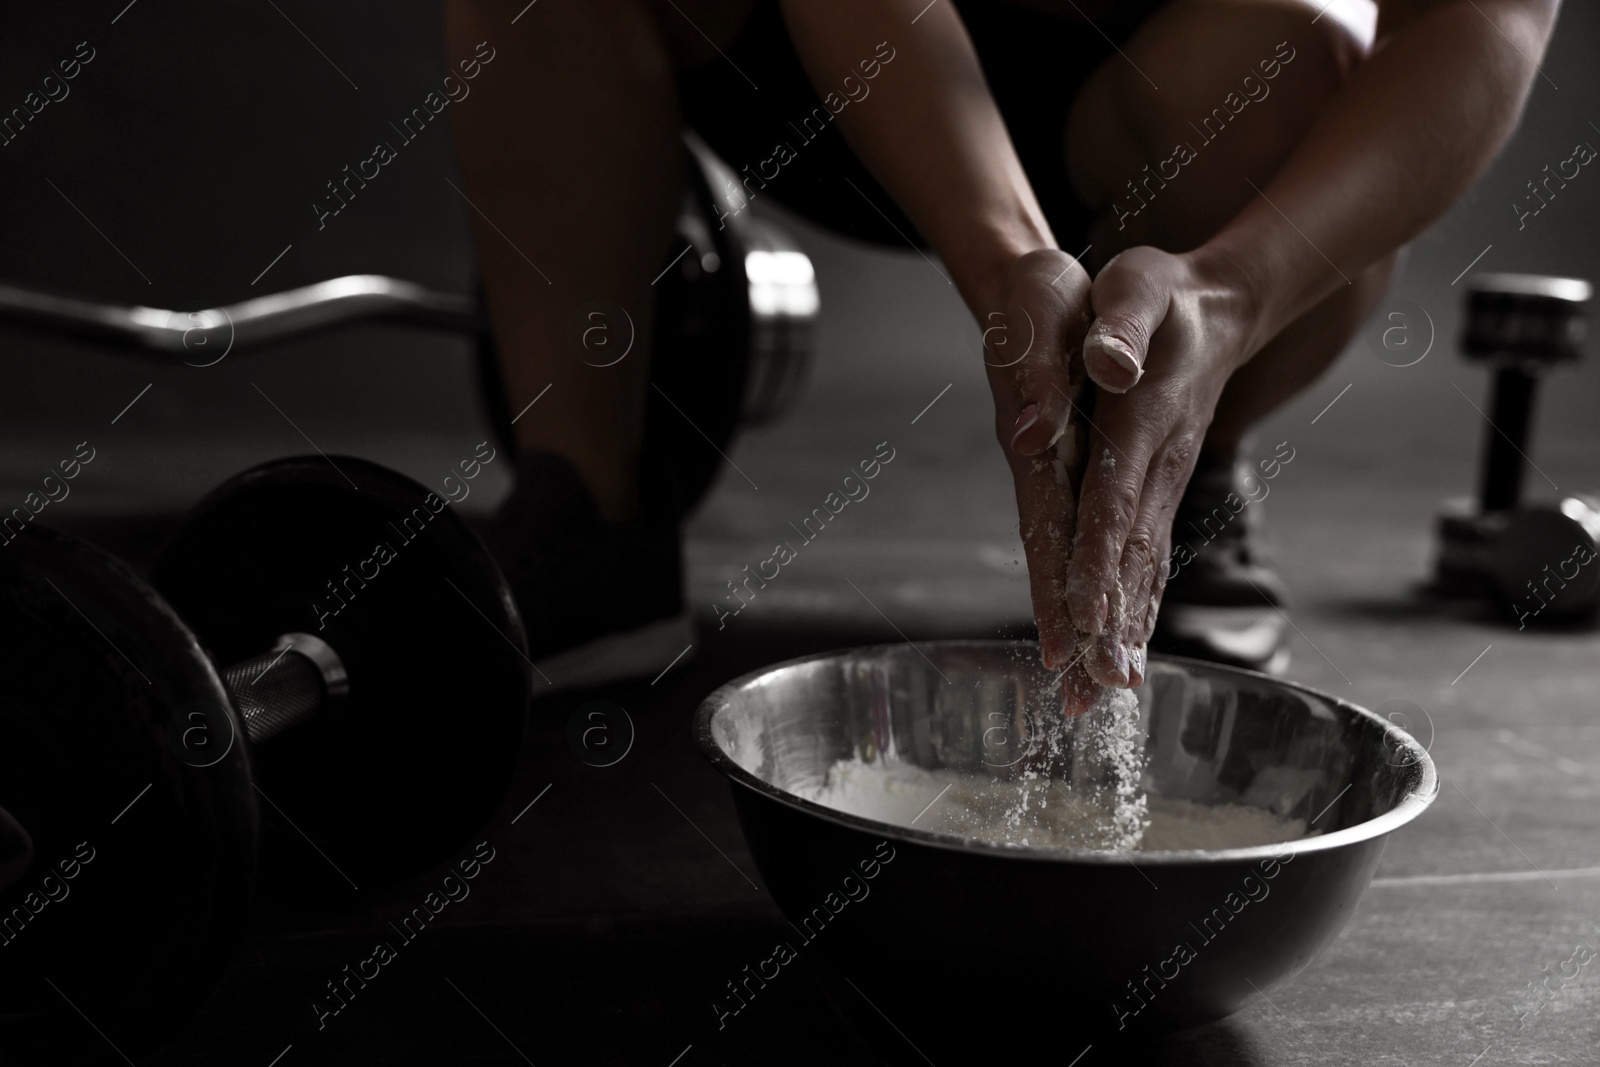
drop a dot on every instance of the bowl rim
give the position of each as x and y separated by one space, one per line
1413 804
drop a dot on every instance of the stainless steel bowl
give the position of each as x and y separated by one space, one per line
930 925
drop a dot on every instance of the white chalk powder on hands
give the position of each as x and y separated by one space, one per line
1101 804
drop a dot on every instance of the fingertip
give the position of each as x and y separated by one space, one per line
1116 350
1108 662
1029 443
1027 419
1138 659
1111 363
1078 692
1035 430
1055 651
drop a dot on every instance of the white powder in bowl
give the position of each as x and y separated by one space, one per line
1041 813
1099 805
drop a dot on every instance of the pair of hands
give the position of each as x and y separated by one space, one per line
1103 391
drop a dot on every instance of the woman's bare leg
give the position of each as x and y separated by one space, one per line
571 153
1198 52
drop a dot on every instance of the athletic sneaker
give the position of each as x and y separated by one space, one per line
1223 602
601 601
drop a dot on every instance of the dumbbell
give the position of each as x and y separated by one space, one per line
373 711
1540 560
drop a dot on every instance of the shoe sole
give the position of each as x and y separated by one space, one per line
619 657
1252 638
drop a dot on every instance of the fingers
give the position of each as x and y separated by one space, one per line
1131 297
1141 615
1047 514
1120 649
1110 363
1109 663
1158 589
1078 690
1029 346
1120 448
1163 488
1030 352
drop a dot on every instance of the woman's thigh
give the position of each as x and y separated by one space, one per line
1169 140
754 105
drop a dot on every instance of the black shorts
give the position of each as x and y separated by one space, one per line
1035 64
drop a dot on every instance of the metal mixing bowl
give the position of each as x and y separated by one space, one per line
930 926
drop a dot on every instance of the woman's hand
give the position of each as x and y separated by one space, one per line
1168 331
1033 327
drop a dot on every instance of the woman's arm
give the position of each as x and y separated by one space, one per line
1413 127
930 132
1404 136
928 129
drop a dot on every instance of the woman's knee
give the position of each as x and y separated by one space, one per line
1211 96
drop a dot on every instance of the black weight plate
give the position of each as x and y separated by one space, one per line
1538 545
700 361
423 749
101 680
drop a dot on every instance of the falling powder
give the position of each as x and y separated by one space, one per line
1118 745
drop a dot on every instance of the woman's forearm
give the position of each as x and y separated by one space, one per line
928 128
1405 136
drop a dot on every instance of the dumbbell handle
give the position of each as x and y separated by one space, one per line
1506 439
294 682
